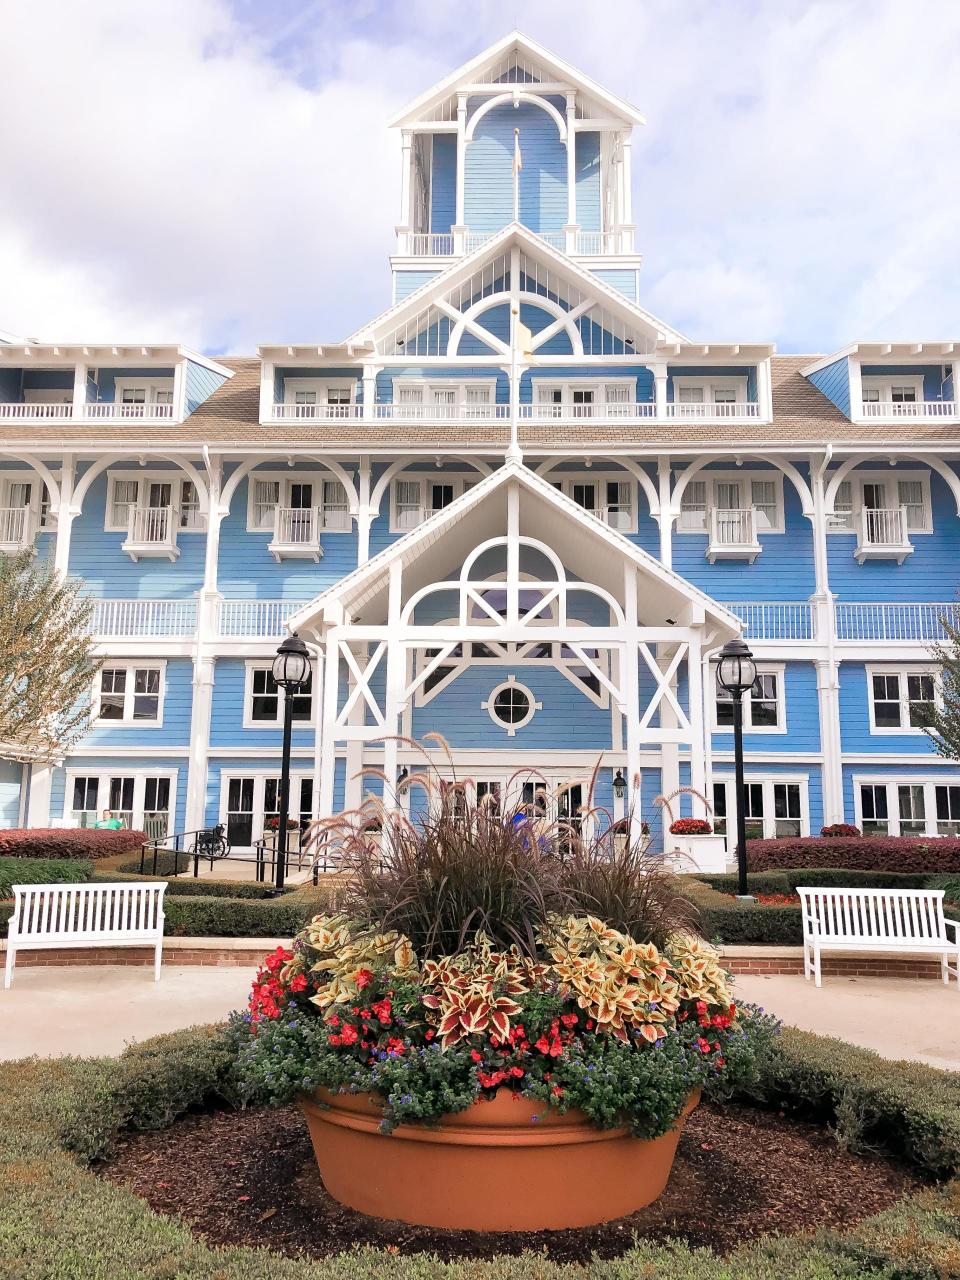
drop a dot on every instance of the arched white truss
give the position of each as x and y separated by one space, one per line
96 469
237 477
705 460
564 321
517 96
41 469
935 464
647 487
383 484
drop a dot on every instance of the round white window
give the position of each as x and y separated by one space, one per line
511 705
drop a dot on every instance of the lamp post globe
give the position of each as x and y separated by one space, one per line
291 671
736 673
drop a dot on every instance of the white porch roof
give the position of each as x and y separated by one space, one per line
588 548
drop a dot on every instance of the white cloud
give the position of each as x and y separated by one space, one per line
184 170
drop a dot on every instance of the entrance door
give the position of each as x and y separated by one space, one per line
240 812
121 799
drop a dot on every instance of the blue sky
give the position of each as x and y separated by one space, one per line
221 173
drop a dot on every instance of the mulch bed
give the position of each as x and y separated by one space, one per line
250 1178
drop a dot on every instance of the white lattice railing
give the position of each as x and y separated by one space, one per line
117 409
18 527
318 412
152 527
441 412
711 411
883 526
296 526
908 409
735 527
122 619
775 619
598 412
255 619
35 412
916 621
429 244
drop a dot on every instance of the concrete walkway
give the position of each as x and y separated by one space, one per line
896 1017
99 1009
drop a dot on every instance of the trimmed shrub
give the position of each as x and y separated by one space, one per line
840 829
71 842
868 853
41 871
187 887
215 917
722 919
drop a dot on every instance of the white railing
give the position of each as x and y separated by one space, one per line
151 527
709 410
429 244
117 409
775 619
908 409
18 527
35 412
441 412
624 409
119 619
255 619
322 412
599 243
916 621
555 239
883 526
296 527
434 244
733 527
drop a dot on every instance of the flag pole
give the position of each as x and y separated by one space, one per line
513 453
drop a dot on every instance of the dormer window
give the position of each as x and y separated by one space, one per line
317 398
144 397
704 397
583 399
446 400
884 396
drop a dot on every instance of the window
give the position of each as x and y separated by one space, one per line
693 507
263 701
308 396
901 699
300 492
732 491
129 693
888 392
876 491
248 801
135 395
581 399
143 801
763 710
610 500
447 399
787 817
775 807
416 498
699 393
129 492
907 806
511 706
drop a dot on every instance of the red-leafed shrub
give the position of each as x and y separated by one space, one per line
867 853
840 829
72 842
691 827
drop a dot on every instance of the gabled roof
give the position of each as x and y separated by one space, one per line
890 351
527 51
557 518
517 234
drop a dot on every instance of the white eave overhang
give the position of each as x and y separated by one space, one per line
715 352
312 352
888 352
104 353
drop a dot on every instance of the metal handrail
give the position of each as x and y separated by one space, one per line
206 842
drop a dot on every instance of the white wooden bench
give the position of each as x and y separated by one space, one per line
85 915
907 921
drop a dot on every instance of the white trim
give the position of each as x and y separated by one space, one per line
320 385
901 671
259 664
175 477
857 478
743 476
104 774
768 782
533 706
891 782
131 667
259 778
285 479
777 669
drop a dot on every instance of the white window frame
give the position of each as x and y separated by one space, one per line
598 386
742 476
131 666
457 385
320 385
144 479
902 671
890 477
48 395
259 778
884 383
777 669
461 481
47 519
533 706
150 385
284 479
565 481
266 664
768 782
103 777
722 382
929 782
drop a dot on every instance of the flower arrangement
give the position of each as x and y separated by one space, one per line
691 827
273 824
840 829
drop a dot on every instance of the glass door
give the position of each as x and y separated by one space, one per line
121 800
240 812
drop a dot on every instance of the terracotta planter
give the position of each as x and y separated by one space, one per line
490 1168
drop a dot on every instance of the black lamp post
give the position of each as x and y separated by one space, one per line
291 670
736 672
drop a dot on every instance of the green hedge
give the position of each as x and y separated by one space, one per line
209 917
186 886
58 1221
41 871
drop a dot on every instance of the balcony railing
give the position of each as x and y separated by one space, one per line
432 244
144 412
921 623
255 619
595 412
18 528
713 411
733 534
319 412
882 534
152 531
121 619
296 530
776 620
908 409
34 412
441 412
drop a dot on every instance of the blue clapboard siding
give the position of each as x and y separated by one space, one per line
488 171
226 727
101 383
406 282
757 769
199 384
855 696
802 729
342 374
11 776
624 280
177 709
121 766
834 382
588 181
926 574
96 556
443 183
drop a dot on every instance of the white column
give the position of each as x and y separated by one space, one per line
200 719
708 685
659 372
353 782
266 391
180 389
856 388
828 695
406 179
956 382
828 665
626 169
699 727
458 229
66 514
665 518
79 390
370 372
630 683
364 514
38 805
764 391
396 671
572 226
317 658
328 764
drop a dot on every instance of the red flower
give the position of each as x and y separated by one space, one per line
491 1080
475 1057
364 978
703 1045
298 982
335 1040
395 1046
382 1011
349 1034
569 1019
429 1033
543 1045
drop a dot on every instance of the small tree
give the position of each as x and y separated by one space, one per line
46 664
942 720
